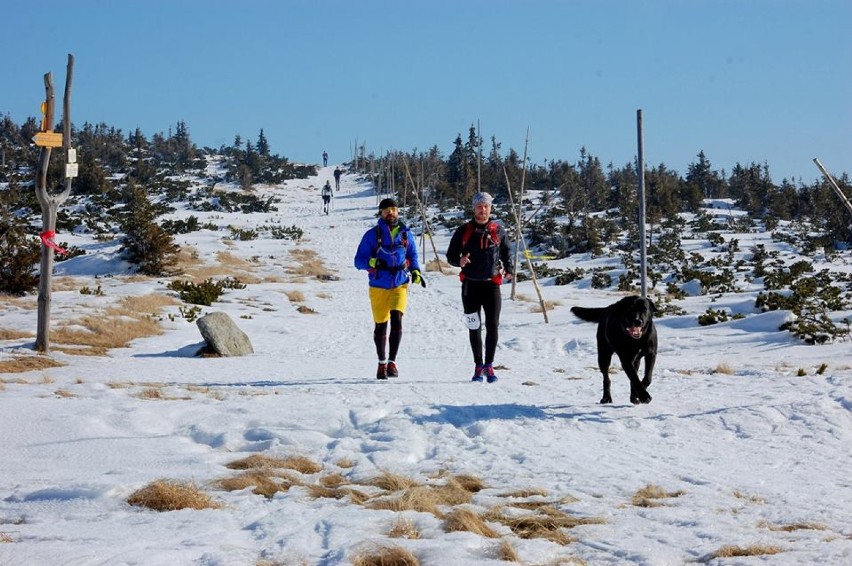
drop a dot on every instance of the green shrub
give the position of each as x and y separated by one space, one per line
19 256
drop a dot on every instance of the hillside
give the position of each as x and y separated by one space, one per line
741 452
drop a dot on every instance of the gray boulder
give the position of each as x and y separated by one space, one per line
223 336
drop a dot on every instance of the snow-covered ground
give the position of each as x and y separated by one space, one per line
747 440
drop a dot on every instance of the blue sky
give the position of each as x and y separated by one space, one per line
744 81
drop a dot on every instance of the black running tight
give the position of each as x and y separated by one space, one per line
380 334
483 297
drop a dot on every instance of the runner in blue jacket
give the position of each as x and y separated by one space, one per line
388 253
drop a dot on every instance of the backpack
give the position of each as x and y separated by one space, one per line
404 235
468 232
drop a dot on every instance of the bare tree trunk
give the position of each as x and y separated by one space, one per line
50 203
526 255
520 216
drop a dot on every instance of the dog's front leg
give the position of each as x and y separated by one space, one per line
650 359
638 393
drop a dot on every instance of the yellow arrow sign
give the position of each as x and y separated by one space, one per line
48 139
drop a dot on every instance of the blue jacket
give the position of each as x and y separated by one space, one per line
399 255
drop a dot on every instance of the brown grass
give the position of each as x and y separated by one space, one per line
333 480
648 496
263 484
421 499
6 537
302 309
507 552
730 551
551 305
469 521
323 492
165 495
385 556
724 368
432 265
346 463
391 482
117 327
547 523
404 528
529 492
307 263
750 498
300 464
295 296
20 364
790 527
7 334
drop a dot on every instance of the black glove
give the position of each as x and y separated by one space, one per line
416 278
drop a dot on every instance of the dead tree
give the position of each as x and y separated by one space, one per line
47 139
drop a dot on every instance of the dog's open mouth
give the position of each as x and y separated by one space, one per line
635 331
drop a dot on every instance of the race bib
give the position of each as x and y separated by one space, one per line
471 320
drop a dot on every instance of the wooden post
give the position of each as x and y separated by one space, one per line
520 216
50 203
643 259
526 255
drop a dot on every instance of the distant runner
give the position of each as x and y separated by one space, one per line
326 196
337 173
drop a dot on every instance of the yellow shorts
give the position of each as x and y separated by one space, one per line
382 301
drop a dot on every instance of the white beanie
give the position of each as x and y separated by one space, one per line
482 198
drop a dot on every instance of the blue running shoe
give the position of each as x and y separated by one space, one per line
488 372
477 373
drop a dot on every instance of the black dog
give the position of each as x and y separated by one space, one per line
627 329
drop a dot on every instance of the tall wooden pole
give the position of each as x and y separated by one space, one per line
640 164
519 232
526 255
50 203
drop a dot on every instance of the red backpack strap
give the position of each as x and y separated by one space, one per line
468 230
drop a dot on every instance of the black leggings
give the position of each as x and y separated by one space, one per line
380 333
478 297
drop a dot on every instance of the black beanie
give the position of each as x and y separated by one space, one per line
387 203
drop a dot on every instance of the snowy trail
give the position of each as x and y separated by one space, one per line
742 451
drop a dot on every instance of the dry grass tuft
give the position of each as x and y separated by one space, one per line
263 484
7 334
750 498
333 480
323 492
346 463
6 537
507 552
648 496
724 369
470 483
308 263
259 461
421 499
548 523
790 527
117 327
165 495
20 364
551 305
468 521
730 551
432 265
295 296
523 493
404 528
302 309
385 556
391 482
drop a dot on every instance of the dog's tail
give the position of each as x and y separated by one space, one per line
587 314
